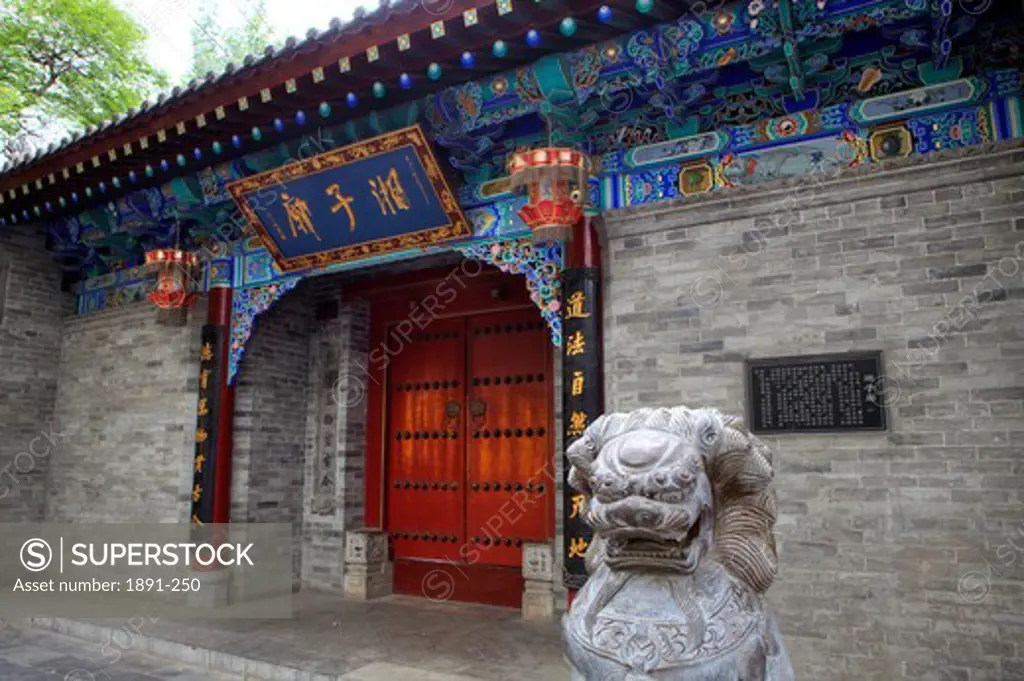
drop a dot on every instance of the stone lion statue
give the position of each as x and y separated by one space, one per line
683 512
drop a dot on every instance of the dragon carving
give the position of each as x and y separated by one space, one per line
683 511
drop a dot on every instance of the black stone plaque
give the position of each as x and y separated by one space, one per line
816 393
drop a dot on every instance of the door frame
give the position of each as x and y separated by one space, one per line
486 289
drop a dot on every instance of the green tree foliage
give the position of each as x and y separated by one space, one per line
213 45
70 62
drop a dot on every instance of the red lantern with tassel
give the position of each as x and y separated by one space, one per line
175 273
556 183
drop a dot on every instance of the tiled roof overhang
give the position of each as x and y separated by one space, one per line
100 155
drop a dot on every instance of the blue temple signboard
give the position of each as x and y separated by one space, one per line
376 196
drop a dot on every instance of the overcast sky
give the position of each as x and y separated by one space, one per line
169 23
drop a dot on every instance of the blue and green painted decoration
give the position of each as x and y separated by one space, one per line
749 92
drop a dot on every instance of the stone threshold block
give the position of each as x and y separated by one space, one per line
539 573
214 591
368 572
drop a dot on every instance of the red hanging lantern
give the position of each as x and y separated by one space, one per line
175 273
556 182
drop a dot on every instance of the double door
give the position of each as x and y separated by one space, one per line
469 475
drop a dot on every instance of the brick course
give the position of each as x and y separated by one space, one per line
126 399
334 487
271 396
32 310
895 561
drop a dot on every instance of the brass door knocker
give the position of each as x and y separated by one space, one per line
478 412
451 414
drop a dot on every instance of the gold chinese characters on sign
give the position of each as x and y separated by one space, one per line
299 217
342 203
389 193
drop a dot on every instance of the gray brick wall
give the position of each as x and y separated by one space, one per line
334 490
126 400
896 561
32 310
271 397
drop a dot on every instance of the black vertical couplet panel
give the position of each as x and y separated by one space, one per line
211 369
581 401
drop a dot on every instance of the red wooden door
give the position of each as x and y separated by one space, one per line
468 476
509 443
426 443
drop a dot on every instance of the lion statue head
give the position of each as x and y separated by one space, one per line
683 511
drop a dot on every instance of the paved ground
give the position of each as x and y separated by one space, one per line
391 639
43 656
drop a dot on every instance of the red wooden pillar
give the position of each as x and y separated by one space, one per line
582 378
219 315
211 477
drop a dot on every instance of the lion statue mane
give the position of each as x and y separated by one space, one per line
683 511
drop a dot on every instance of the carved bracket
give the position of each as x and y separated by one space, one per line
540 264
247 304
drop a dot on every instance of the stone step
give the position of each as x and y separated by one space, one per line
126 637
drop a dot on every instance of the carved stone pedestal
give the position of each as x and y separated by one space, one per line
539 572
367 568
214 591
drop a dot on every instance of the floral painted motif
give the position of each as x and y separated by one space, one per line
247 304
952 130
540 264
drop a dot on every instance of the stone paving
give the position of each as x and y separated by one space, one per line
331 639
33 655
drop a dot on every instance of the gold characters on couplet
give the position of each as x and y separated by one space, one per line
576 305
577 547
577 505
577 424
577 382
576 344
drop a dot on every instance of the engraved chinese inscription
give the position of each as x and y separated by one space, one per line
817 393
